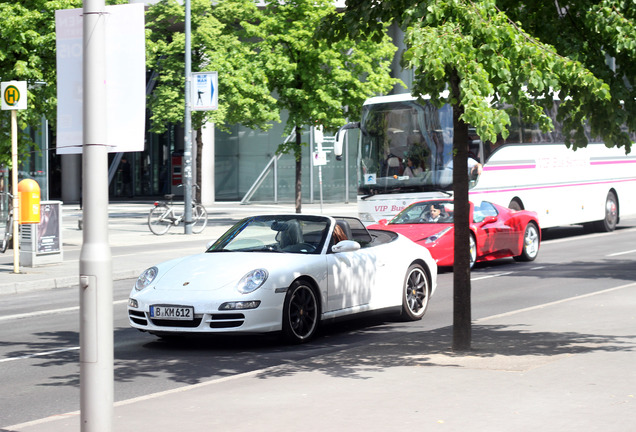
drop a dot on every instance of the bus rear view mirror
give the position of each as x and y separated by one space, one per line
341 136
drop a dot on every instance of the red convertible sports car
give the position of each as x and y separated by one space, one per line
496 231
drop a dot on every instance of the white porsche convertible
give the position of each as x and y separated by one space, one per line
284 273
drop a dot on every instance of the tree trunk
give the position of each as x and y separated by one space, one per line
461 269
299 158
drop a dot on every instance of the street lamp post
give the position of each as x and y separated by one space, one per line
187 151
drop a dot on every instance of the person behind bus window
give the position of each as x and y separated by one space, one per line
412 168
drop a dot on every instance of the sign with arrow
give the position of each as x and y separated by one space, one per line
204 88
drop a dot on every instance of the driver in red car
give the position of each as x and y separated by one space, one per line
434 214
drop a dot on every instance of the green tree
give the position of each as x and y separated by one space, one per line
319 82
483 58
601 35
218 43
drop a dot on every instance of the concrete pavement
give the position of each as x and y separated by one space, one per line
562 366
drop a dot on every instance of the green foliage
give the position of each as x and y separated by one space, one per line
317 80
525 54
218 43
601 35
498 62
320 82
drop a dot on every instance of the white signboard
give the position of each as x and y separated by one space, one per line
125 78
204 94
14 95
320 158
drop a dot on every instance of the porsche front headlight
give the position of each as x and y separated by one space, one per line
252 281
437 236
146 278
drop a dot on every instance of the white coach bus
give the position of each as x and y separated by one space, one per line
405 154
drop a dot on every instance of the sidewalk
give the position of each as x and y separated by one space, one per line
128 228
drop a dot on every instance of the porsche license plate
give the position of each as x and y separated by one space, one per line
169 312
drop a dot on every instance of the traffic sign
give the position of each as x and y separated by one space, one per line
204 91
14 95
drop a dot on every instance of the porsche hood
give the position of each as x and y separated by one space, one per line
217 270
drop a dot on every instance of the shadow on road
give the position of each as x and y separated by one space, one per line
351 350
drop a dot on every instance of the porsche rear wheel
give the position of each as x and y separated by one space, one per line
531 240
301 313
416 293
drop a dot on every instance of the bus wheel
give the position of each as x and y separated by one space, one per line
611 214
515 205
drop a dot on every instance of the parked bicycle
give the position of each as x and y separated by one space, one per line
164 215
7 237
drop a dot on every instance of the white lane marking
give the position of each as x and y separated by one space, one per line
50 312
490 276
566 300
41 313
44 353
621 253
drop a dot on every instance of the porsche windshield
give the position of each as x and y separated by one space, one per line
405 147
288 233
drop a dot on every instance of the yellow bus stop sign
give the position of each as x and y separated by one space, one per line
14 95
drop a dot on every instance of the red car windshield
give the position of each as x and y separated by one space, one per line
425 212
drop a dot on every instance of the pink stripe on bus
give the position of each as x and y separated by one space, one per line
508 167
613 162
552 186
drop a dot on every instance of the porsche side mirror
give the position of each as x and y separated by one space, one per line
345 246
383 222
489 220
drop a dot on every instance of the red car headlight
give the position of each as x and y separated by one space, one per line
436 236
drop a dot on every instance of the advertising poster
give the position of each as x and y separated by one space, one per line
49 228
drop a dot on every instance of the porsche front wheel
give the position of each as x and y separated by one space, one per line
416 293
301 313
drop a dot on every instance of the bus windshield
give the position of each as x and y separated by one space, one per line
405 147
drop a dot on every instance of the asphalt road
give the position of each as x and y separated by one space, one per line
39 350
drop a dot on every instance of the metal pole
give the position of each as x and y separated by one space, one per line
275 180
14 190
346 158
320 181
187 151
96 285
